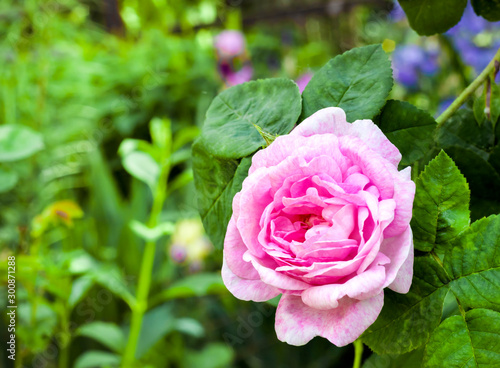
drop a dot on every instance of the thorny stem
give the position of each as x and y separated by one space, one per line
460 100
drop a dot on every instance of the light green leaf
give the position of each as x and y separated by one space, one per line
229 129
428 17
441 206
8 180
18 142
407 320
151 234
79 288
199 284
143 167
408 128
161 133
470 341
97 359
358 81
474 264
108 334
217 181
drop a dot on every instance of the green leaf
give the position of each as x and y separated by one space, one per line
8 180
407 320
474 264
358 81
490 111
488 9
472 149
441 206
97 359
408 128
143 167
214 355
217 181
229 129
108 334
151 234
412 359
189 326
471 341
428 17
18 142
156 324
199 284
161 133
79 288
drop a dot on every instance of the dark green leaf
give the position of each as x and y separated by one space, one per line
214 355
156 324
217 181
229 129
18 142
488 9
408 128
470 342
428 17
407 320
358 81
474 263
97 359
441 206
472 149
108 334
412 359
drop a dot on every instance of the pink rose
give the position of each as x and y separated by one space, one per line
322 218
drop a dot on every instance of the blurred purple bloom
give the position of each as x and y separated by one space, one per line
241 76
178 253
463 36
230 43
443 105
411 61
233 64
302 80
397 13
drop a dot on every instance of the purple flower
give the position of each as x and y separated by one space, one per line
303 80
411 61
230 44
397 13
464 38
232 61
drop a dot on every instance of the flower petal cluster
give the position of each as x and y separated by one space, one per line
323 219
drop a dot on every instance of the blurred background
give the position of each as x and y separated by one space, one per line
83 84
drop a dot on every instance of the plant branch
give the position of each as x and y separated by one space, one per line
460 100
358 353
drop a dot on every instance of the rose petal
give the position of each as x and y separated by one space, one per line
274 278
297 323
363 286
234 248
244 289
400 250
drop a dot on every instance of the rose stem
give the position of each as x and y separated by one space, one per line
460 100
358 353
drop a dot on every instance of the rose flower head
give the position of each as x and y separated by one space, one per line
323 219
